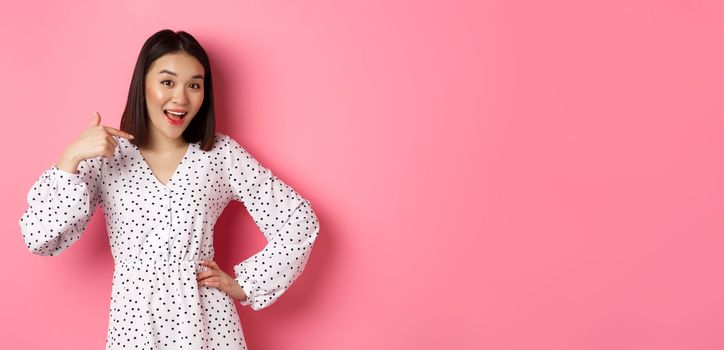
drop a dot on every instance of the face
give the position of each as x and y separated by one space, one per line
174 93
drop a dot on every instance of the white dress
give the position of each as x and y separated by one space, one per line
158 233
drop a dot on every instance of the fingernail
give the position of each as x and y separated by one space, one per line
132 136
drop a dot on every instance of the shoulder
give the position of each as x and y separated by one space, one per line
220 139
221 142
218 136
218 143
230 148
227 143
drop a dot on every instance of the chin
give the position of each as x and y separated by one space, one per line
175 133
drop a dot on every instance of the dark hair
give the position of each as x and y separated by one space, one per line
135 116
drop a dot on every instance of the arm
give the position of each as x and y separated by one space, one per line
285 219
60 205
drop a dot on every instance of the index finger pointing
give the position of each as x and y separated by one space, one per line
119 133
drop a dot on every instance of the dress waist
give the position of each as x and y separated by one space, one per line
156 263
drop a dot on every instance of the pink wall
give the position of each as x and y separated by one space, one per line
488 174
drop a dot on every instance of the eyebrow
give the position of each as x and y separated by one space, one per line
197 76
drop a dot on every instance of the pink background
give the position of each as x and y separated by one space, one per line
488 174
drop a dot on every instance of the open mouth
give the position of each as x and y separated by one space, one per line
174 115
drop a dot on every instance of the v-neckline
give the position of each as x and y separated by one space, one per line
175 172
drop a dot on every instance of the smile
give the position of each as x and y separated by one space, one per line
173 117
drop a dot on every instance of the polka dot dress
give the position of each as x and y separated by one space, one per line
159 232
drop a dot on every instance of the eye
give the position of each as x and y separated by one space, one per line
164 82
197 85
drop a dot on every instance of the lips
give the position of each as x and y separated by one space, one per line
175 114
174 118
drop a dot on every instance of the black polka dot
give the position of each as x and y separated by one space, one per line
159 232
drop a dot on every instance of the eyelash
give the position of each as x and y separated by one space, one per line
162 82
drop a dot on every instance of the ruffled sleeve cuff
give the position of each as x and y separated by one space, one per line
59 174
249 290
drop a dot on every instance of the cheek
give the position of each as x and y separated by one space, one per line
154 96
196 102
199 99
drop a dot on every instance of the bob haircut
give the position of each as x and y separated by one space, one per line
135 116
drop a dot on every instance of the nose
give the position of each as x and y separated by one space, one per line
179 96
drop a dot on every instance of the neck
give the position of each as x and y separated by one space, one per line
158 142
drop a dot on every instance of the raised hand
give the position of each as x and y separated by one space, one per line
96 140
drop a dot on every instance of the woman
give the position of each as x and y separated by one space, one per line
163 179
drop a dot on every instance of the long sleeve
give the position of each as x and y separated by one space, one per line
60 205
285 219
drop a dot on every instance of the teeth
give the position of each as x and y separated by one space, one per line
176 113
